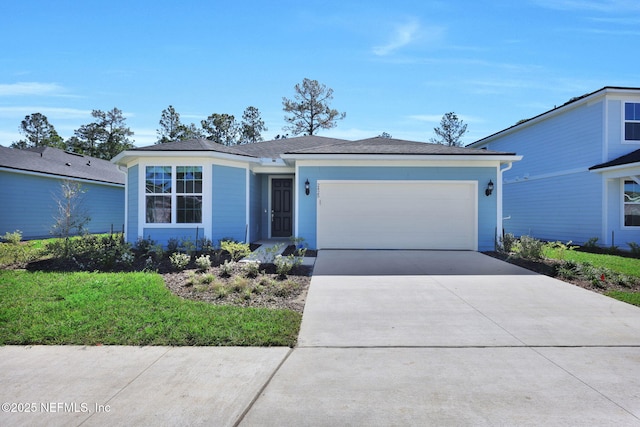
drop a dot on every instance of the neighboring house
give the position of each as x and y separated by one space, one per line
373 193
30 185
580 174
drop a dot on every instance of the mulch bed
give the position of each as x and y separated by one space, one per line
549 267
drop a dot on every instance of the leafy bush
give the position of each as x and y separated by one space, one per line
529 248
203 262
559 249
179 261
13 238
507 243
91 252
285 264
251 268
235 249
635 248
172 245
227 268
271 252
592 243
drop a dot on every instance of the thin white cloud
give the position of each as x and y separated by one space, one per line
608 6
31 88
50 112
403 35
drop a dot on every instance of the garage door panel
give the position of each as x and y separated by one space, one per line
397 214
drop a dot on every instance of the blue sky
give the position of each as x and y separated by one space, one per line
395 67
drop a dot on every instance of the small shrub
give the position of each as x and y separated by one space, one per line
235 249
172 245
635 248
271 252
206 245
240 283
226 269
286 288
179 261
13 238
507 243
144 246
187 245
208 279
284 265
220 290
592 243
529 248
559 248
203 262
251 268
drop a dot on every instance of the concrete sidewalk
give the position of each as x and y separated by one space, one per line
426 348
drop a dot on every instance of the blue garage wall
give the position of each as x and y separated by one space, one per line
229 190
29 204
487 206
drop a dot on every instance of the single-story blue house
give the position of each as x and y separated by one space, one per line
30 185
580 174
375 193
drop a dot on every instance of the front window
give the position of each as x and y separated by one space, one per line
632 121
631 204
173 194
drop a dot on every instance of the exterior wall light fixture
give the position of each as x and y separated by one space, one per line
489 189
306 187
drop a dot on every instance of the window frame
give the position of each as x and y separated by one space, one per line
625 203
625 121
174 195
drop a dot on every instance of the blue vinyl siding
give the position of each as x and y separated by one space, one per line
229 203
162 235
30 204
132 203
487 208
615 232
557 208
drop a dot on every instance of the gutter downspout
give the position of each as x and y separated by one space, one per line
500 229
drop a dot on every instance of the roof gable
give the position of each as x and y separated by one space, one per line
633 157
54 161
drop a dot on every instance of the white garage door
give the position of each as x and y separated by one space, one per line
397 215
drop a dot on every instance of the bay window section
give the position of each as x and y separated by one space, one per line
173 194
631 204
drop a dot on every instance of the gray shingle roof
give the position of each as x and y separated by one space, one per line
320 145
391 146
633 157
58 162
198 144
273 149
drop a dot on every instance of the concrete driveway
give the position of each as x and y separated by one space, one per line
453 338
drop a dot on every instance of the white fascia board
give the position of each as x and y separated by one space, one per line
368 160
619 171
126 157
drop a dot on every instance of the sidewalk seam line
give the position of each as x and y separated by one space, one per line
129 383
262 389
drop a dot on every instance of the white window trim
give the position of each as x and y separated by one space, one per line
622 224
206 196
624 121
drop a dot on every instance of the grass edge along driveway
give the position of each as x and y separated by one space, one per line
127 309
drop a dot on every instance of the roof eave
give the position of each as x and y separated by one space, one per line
502 158
126 156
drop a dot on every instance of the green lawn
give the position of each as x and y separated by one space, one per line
629 297
619 264
127 309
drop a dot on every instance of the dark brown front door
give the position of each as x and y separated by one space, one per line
281 207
